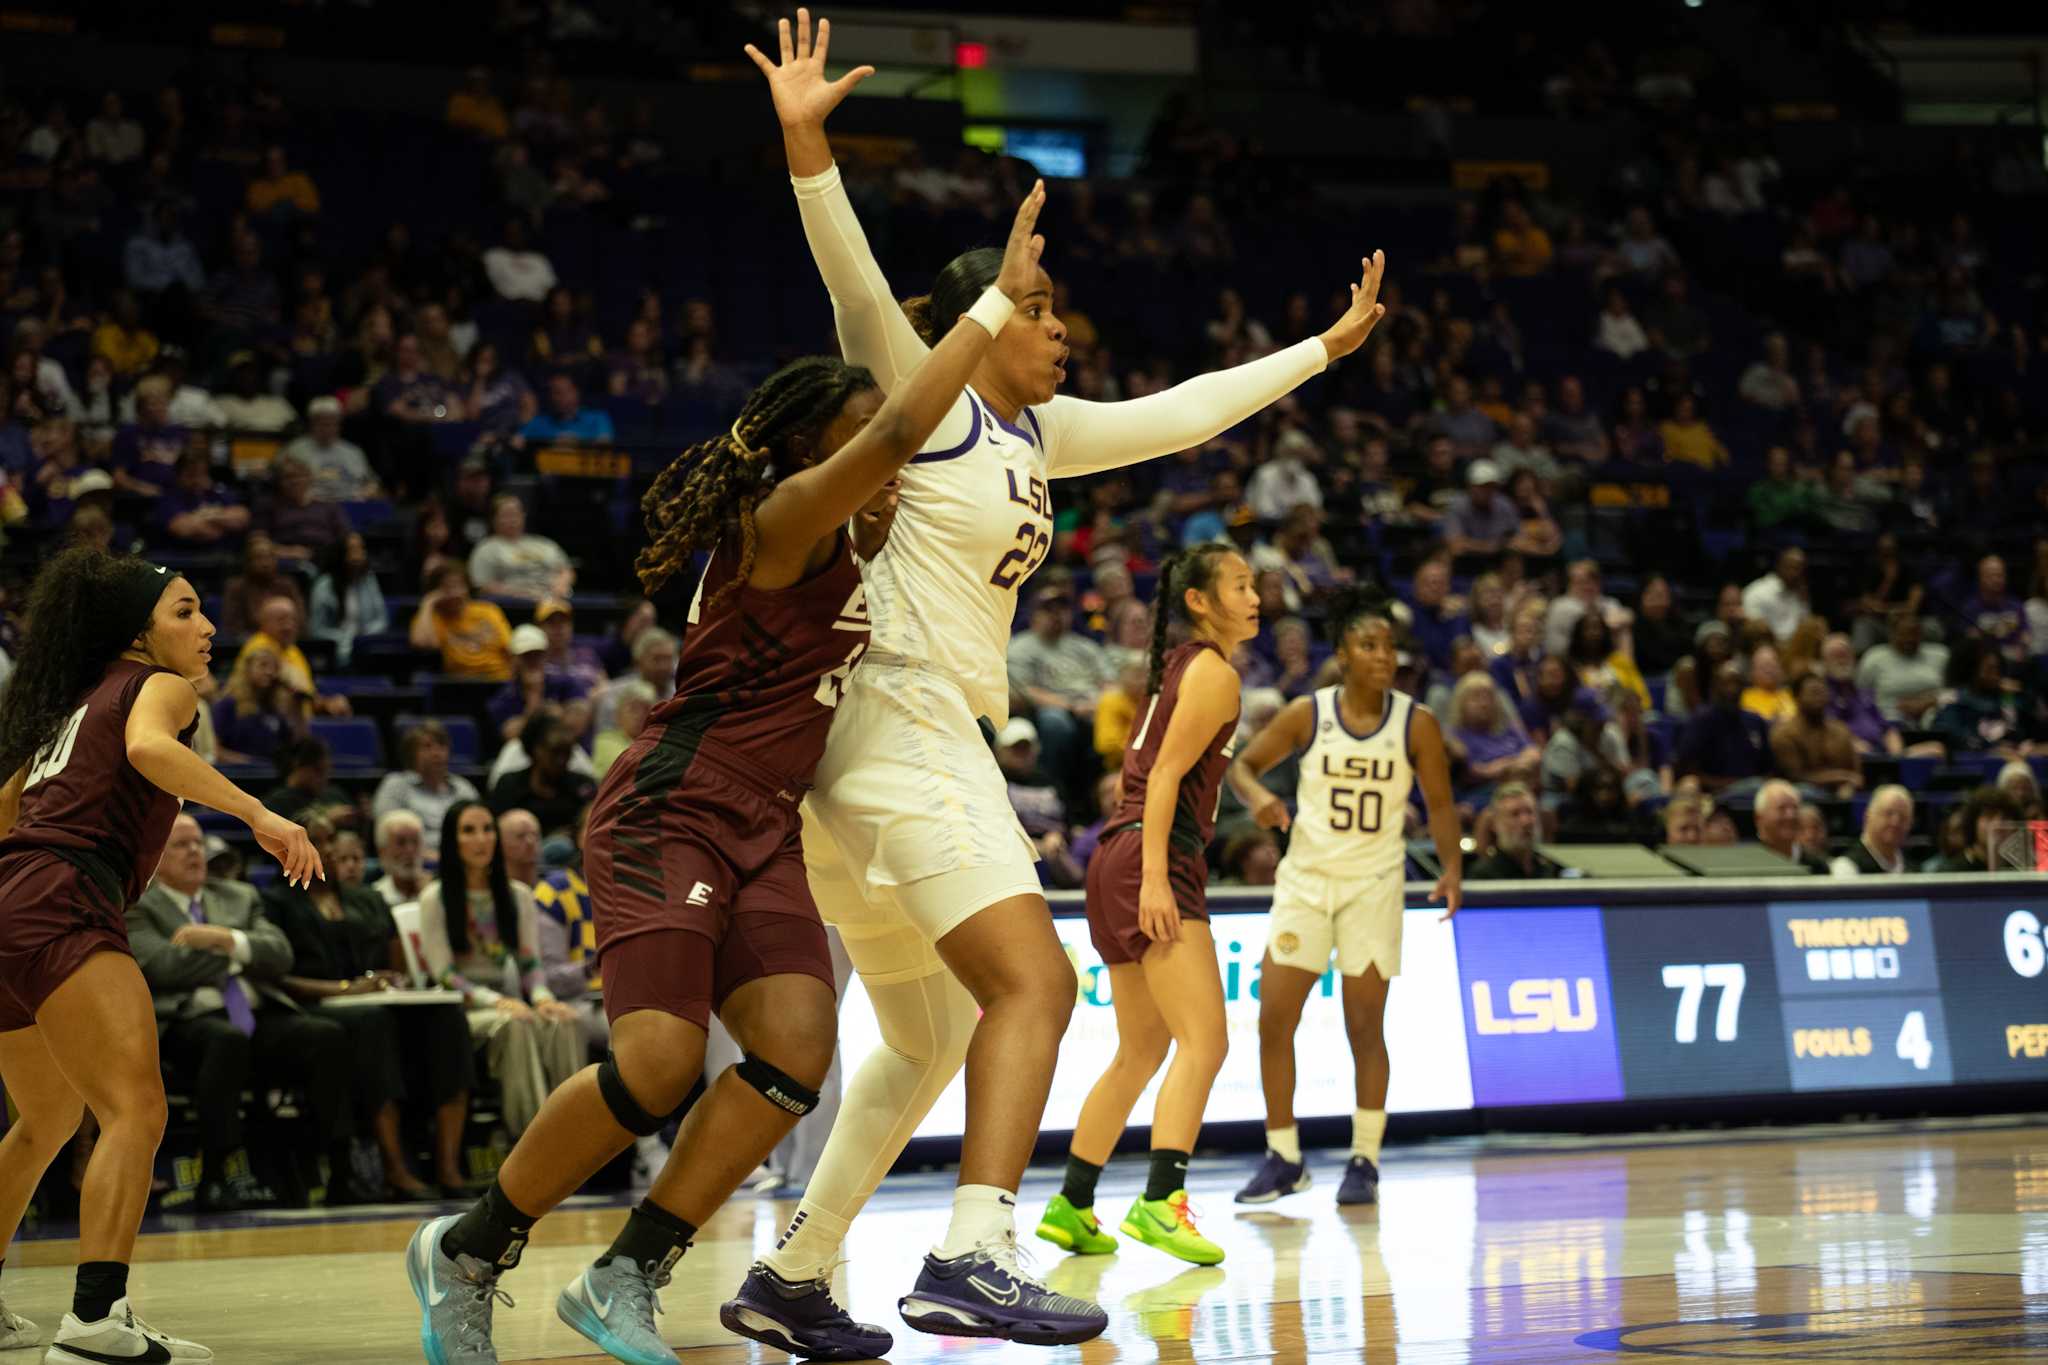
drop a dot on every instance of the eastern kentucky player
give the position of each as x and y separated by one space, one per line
693 851
1363 747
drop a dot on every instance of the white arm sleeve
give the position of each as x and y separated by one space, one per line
872 329
1086 438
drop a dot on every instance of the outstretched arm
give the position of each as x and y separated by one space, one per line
872 329
1086 438
814 502
161 712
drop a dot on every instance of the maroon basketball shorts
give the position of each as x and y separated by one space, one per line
697 886
52 918
1114 874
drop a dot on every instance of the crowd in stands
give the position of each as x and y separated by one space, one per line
1714 501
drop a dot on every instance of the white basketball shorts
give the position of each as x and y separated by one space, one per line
1358 919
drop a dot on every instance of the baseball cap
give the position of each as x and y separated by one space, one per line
549 609
1240 514
527 639
1482 471
1709 628
326 405
92 481
216 847
1017 730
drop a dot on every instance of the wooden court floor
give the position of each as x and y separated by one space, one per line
1872 1244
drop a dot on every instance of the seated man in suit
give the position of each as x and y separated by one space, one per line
215 966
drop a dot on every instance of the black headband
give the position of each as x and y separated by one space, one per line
133 598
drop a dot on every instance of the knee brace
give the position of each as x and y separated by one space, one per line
617 1098
779 1088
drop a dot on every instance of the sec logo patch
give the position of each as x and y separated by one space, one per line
1287 943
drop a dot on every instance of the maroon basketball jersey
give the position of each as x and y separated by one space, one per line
761 671
83 800
1194 811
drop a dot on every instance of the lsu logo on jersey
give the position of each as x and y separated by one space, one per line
854 615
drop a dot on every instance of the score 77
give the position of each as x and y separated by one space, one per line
1691 982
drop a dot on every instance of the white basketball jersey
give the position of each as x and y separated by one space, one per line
974 522
1351 801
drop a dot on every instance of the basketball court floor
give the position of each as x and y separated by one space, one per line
1876 1243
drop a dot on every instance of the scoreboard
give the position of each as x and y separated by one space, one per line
1602 993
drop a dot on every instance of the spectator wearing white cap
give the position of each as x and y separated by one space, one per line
341 472
1035 797
532 687
1480 521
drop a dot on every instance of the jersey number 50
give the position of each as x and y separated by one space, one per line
1355 808
1033 544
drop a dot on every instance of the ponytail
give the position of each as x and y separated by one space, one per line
1180 571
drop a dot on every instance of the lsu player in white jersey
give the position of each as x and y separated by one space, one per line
1363 746
914 852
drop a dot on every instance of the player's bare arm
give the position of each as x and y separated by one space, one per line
1286 733
1433 773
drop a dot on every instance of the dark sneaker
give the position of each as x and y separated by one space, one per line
1276 1176
800 1318
986 1293
1361 1183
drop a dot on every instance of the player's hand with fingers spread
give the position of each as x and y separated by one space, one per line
1272 813
287 843
1365 311
1158 916
1451 891
1019 272
803 97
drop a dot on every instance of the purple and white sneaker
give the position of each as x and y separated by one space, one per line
1361 1183
801 1318
986 1293
1276 1176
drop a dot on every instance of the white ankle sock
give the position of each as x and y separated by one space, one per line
981 1213
1368 1126
808 1245
1286 1141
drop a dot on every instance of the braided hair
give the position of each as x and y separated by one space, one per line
1184 569
1359 603
709 492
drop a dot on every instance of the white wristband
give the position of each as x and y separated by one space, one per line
992 310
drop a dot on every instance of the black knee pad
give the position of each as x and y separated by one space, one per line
779 1088
627 1110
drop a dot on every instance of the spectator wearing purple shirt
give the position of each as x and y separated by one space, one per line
412 393
1854 706
1994 613
146 451
638 370
499 399
1573 430
1436 622
302 526
195 512
1483 737
567 659
1480 521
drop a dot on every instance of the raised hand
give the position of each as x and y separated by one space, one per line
1351 330
803 97
1019 272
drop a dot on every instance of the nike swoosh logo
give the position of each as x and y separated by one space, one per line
424 1250
1001 1298
604 1310
155 1355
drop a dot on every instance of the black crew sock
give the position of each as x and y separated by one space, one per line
652 1236
1081 1178
100 1284
1169 1173
494 1230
